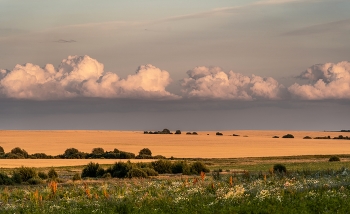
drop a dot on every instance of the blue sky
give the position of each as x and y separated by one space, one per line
249 51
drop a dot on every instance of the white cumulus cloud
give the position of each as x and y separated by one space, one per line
326 81
82 76
213 83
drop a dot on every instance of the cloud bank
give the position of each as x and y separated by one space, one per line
213 83
82 76
326 81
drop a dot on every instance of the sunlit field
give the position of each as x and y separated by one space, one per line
247 144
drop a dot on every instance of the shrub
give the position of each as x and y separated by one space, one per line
165 131
35 181
76 177
307 137
92 170
107 175
23 174
40 156
144 157
13 156
288 136
20 152
2 151
218 133
43 175
235 135
188 133
52 173
334 158
159 157
177 132
194 133
279 168
126 155
73 153
198 167
181 167
149 171
120 169
162 166
145 151
275 136
136 173
145 132
5 179
97 151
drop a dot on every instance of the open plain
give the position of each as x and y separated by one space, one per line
204 145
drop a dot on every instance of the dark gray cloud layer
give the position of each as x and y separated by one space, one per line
126 114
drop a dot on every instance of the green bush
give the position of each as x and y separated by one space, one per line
126 155
76 177
52 173
97 151
307 137
2 151
198 167
43 175
279 168
24 173
5 179
145 151
288 136
275 136
177 132
19 152
136 173
181 167
144 157
334 158
92 170
149 171
194 133
162 166
120 169
35 181
219 133
159 157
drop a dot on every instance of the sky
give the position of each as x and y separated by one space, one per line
190 65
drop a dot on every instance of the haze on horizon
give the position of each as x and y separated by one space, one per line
199 65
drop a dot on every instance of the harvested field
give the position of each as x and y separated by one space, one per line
247 144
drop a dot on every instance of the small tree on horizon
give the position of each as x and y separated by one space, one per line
145 151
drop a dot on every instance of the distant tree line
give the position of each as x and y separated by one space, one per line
73 153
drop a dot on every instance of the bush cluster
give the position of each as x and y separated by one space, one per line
288 136
334 158
143 170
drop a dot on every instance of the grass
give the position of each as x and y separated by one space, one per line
311 185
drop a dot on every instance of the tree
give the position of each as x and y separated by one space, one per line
20 152
98 151
2 151
177 132
145 151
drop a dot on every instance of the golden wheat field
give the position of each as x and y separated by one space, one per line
204 145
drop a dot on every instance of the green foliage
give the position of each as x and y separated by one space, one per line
275 136
2 151
52 173
73 153
136 173
76 177
149 171
181 167
40 156
5 179
279 168
307 137
126 155
23 174
198 167
219 133
177 132
162 166
19 152
43 175
145 151
334 158
98 151
92 170
120 169
159 157
288 136
35 181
